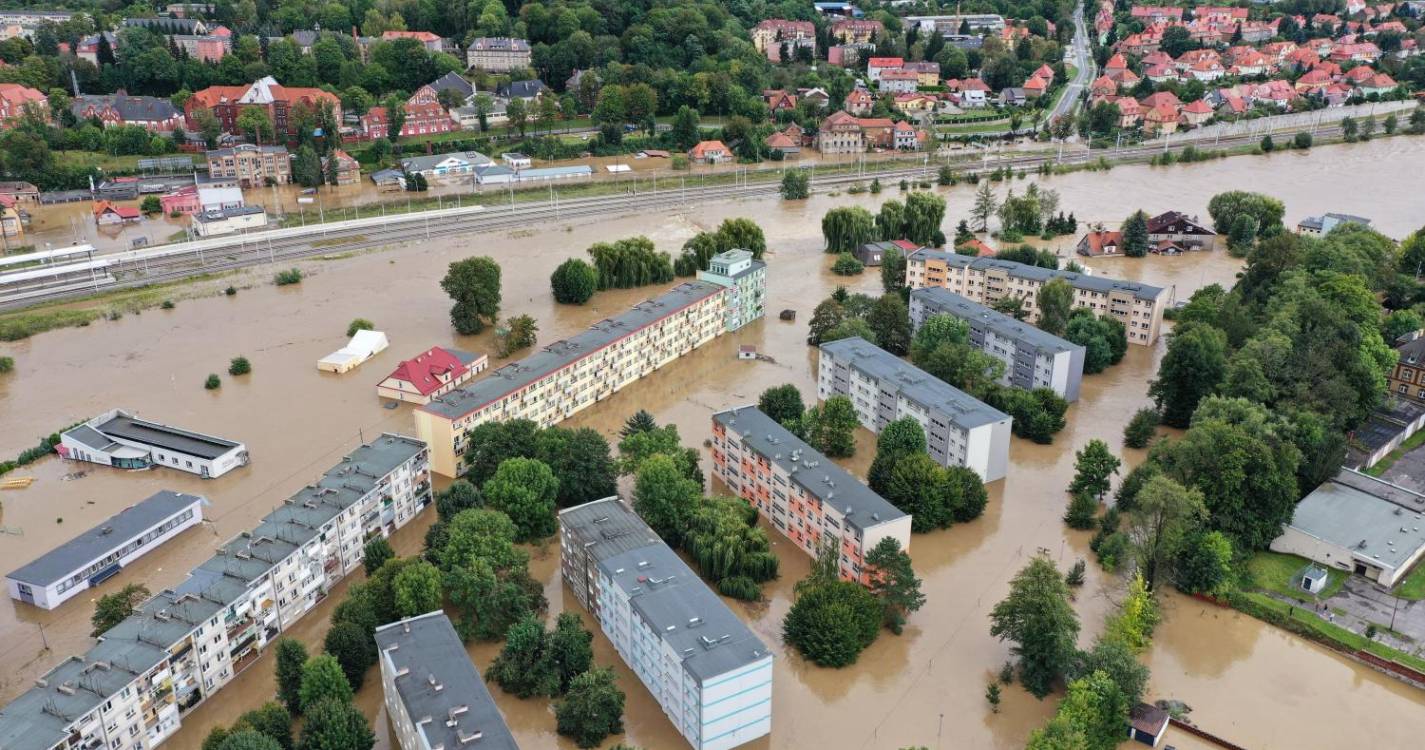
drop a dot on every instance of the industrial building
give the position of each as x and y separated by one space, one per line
1032 358
804 495
1360 524
120 439
960 429
101 552
709 672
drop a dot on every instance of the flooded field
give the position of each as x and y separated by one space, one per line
1246 681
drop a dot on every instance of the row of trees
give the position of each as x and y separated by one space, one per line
905 475
731 234
918 219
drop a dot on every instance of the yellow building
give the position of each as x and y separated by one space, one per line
568 376
1138 306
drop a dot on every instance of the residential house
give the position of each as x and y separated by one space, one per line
860 102
873 253
1035 87
425 115
906 138
778 100
527 90
192 199
1160 73
220 221
445 165
1103 86
781 142
15 99
1012 96
927 71
1161 120
709 152
770 35
88 48
1196 113
107 214
1130 112
857 30
913 103
1207 70
348 169
461 86
1378 84
431 374
13 219
840 133
1180 228
816 96
516 160
1115 65
251 165
878 65
877 132
498 54
1100 242
898 81
24 22
974 93
1366 52
151 112
432 42
847 55
277 101
19 192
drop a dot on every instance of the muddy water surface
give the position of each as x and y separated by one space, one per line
1253 684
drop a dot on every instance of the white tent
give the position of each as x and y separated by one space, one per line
363 346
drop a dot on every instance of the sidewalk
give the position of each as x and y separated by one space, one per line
1360 604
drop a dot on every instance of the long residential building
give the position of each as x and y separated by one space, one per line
568 376
1138 306
132 690
803 494
709 672
101 552
960 429
434 694
120 439
1032 358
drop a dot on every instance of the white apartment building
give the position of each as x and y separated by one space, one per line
960 429
804 495
745 278
1032 358
120 439
568 376
131 690
709 672
101 552
1138 306
435 697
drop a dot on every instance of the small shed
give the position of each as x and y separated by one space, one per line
363 346
1147 724
747 351
1313 579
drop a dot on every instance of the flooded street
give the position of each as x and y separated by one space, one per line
925 687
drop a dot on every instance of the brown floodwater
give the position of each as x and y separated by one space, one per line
1249 682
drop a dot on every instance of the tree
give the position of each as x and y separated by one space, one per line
685 132
1082 511
1268 145
924 212
1105 340
1136 618
519 332
359 324
1037 618
574 282
581 460
796 185
307 167
291 656
474 284
847 265
255 123
637 448
729 549
1191 369
335 725
914 486
893 265
323 680
1163 516
417 589
827 315
492 443
151 205
962 493
517 112
889 319
570 648
897 440
1135 235
830 427
665 498
847 228
592 709
1141 429
524 668
831 623
112 609
641 421
1055 301
271 720
525 490
1093 465
353 649
984 208
783 403
894 583
247 739
1226 207
1302 140
1205 566
1095 706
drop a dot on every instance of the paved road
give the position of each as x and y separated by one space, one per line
1083 63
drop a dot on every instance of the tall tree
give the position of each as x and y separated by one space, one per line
592 709
783 403
847 228
830 427
523 668
1135 235
1093 466
665 498
112 609
1192 369
897 440
353 649
889 319
1161 522
1038 619
984 208
1055 301
417 590
291 656
894 583
335 725
474 284
525 489
322 680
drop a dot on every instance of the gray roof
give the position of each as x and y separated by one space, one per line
560 354
609 525
522 89
219 214
116 531
542 172
498 44
940 300
429 161
163 436
1373 518
453 81
129 108
442 683
1035 273
819 476
960 408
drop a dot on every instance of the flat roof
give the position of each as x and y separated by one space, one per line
812 471
962 409
942 300
442 683
1021 270
1370 517
609 526
116 531
561 354
169 438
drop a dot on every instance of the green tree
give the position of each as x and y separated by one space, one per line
924 212
580 459
525 490
1205 566
827 315
1119 662
307 167
685 132
830 427
897 440
1038 619
592 709
889 319
517 112
271 720
1135 235
641 421
893 265
962 493
637 448
359 324
333 724
460 495
1164 515
1141 429
1136 618
1192 368
247 739
665 498
574 282
831 623
474 285
796 185
914 486
847 228
375 554
571 649
1055 301
984 207
1093 466
417 589
112 609
847 265
894 583
255 123
492 443
729 549
783 403
323 680
1225 208
1097 708
352 647
741 234
291 657
151 205
518 332
524 668
1082 511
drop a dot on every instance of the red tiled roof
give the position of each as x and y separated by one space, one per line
700 150
885 62
1198 107
124 212
422 370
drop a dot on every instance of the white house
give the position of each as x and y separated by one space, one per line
122 440
516 160
363 346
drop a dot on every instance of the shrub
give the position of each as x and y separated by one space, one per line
1302 140
359 324
574 282
290 276
230 291
7 364
796 185
213 382
151 205
239 366
740 587
1083 506
680 162
847 265
1141 429
167 304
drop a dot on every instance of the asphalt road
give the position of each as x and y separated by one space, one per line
1084 68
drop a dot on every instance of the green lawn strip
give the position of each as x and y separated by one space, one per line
1304 623
1413 587
1273 572
1412 442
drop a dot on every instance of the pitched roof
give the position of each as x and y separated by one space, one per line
424 370
128 108
701 150
126 212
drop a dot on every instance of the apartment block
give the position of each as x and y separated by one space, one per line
960 429
435 697
1032 358
1138 306
711 675
746 280
568 376
132 690
803 494
101 552
498 54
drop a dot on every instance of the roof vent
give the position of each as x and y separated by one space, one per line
435 685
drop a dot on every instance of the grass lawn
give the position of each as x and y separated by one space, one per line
1411 443
1413 587
1305 621
1272 571
992 126
106 162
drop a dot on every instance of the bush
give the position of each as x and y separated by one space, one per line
833 622
1082 508
574 282
290 276
1302 140
847 265
230 291
213 382
796 185
151 204
359 324
7 364
167 304
1141 429
239 366
740 587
